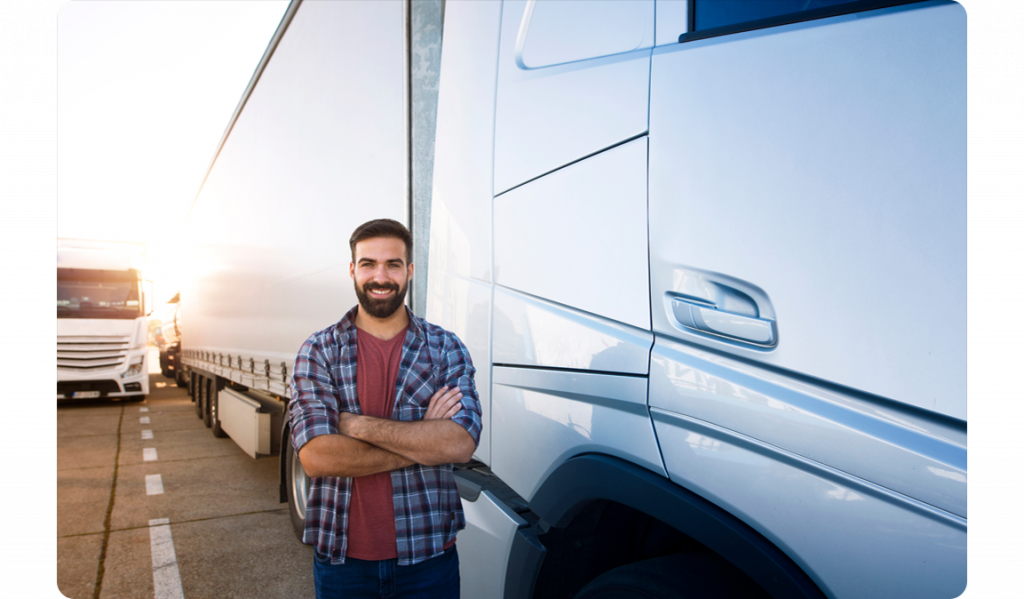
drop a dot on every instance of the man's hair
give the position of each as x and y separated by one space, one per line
381 227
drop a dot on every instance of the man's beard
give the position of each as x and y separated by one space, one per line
383 307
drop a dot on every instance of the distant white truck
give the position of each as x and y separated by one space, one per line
101 321
167 335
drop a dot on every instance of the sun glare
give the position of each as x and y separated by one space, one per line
145 90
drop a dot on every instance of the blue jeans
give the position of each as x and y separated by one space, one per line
435 578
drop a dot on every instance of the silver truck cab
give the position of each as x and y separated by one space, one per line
710 262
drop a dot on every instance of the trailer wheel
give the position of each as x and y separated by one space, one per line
678 576
164 364
297 486
179 378
218 431
197 393
207 393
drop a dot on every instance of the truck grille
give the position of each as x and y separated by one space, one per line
91 353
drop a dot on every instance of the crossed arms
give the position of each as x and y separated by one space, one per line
367 445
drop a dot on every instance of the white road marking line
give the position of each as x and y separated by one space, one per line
149 454
166 579
147 434
154 484
144 420
143 409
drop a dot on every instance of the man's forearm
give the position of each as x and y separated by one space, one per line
344 456
427 442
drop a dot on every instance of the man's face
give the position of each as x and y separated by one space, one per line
381 275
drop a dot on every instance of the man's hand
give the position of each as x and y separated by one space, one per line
444 404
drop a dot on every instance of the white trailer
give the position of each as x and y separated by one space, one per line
709 259
101 320
318 145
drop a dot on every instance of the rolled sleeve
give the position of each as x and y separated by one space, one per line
314 405
460 372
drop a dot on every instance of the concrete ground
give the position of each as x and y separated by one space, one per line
229 535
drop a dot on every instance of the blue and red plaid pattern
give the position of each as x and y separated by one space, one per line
428 511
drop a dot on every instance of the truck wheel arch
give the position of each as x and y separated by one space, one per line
585 479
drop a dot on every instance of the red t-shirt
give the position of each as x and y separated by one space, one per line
371 516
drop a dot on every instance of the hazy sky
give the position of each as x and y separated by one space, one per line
145 90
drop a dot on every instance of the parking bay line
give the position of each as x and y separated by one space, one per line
147 434
154 484
143 409
149 454
166 578
144 420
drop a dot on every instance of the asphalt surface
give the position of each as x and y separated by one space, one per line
229 535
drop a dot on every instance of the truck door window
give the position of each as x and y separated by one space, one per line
561 31
721 17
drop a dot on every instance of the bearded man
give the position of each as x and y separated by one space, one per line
383 403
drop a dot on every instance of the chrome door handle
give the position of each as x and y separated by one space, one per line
707 319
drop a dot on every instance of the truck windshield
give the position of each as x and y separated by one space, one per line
85 293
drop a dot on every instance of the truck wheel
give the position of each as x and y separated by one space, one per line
207 397
297 484
197 393
179 379
214 420
679 576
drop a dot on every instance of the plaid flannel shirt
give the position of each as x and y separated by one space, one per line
428 511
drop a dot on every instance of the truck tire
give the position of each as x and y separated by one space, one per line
179 377
297 487
197 393
207 396
218 431
678 576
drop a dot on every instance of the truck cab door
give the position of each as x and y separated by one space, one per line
808 284
571 329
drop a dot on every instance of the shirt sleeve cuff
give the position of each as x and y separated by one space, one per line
470 422
304 432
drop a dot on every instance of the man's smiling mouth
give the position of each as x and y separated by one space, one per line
380 292
380 299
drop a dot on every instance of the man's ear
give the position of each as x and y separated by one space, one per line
352 270
411 266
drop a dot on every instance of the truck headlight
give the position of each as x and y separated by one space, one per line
134 369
